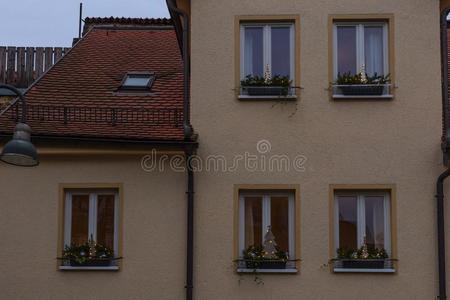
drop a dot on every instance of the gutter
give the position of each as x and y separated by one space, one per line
188 132
98 141
174 10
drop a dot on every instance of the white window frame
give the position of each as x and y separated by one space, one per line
92 227
361 225
265 195
267 51
360 55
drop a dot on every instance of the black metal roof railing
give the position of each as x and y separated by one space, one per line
110 115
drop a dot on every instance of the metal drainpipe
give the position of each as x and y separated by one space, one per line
441 234
188 153
445 147
190 229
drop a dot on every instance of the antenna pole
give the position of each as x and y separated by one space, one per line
80 20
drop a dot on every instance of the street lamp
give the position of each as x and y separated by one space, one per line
20 151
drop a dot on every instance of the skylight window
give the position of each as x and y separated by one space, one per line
138 81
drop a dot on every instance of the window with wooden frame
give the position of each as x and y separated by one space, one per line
362 231
267 230
91 228
268 50
361 59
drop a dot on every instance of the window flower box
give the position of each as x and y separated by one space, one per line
267 256
362 258
266 90
89 254
363 263
267 85
91 263
362 90
362 85
265 264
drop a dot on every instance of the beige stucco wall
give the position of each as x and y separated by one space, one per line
354 142
153 231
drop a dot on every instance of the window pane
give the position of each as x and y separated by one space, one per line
137 81
373 48
281 51
346 49
253 51
253 221
105 220
80 219
375 221
348 228
279 221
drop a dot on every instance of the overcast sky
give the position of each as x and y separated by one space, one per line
55 22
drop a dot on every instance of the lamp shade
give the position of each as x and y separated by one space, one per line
20 151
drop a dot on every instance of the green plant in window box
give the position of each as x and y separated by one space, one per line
255 258
267 256
361 84
366 257
266 85
88 254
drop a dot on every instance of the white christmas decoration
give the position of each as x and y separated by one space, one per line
363 74
269 245
267 75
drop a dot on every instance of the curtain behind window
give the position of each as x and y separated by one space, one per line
80 219
375 221
105 220
253 51
253 221
346 50
281 51
348 222
373 48
279 221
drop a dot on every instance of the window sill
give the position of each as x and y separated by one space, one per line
279 98
267 271
345 270
70 268
363 97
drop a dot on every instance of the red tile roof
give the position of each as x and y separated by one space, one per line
81 89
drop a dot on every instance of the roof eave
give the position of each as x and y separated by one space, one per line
92 141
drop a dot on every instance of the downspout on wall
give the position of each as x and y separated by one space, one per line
446 151
177 13
441 234
190 228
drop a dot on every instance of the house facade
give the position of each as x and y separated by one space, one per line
319 127
113 99
371 162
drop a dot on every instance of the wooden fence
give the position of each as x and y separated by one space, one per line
21 66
